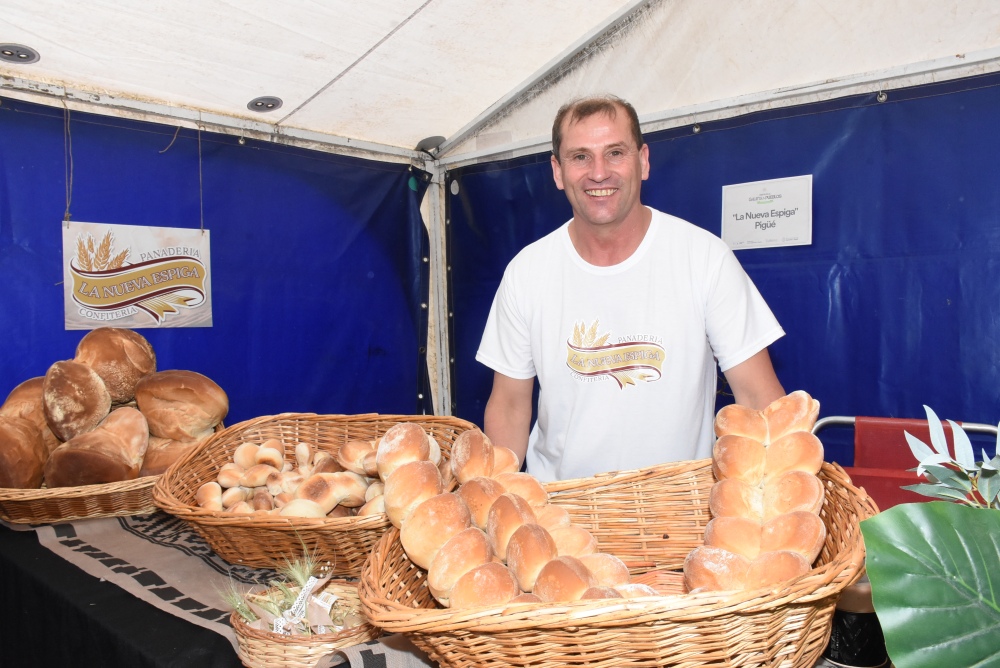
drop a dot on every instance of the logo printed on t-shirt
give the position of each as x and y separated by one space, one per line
631 359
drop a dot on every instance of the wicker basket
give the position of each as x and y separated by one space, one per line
65 504
267 541
651 518
264 649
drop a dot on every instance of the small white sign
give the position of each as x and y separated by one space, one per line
767 214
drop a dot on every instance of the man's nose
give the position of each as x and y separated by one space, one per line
598 168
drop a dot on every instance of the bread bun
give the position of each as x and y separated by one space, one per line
303 454
796 451
525 486
798 531
245 455
119 356
302 508
530 547
161 453
112 452
735 534
75 399
431 524
734 498
739 457
22 453
234 495
458 555
796 411
331 489
563 579
257 475
25 401
209 493
410 485
272 453
552 516
327 465
487 584
714 569
401 444
471 456
376 488
374 506
526 598
770 568
795 490
608 570
479 493
574 541
636 590
351 455
230 475
505 460
183 405
599 593
506 514
739 420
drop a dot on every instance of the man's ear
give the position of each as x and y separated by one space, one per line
644 157
557 172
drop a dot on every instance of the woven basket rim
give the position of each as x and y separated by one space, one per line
820 583
15 494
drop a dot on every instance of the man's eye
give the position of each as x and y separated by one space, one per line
580 157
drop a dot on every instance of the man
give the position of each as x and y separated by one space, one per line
622 314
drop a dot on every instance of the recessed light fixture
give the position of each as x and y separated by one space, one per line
18 53
264 104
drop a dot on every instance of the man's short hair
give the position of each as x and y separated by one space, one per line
582 108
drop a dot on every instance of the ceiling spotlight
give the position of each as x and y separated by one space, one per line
18 53
264 104
429 144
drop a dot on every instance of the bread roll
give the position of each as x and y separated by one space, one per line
563 579
530 547
161 453
524 485
75 399
506 514
351 455
798 531
112 452
636 590
261 499
471 456
734 498
739 457
608 570
342 511
600 593
551 516
22 453
234 495
401 444
371 464
303 454
740 535
431 524
434 449
410 485
245 455
209 493
272 453
770 568
230 475
302 508
121 357
374 506
332 489
458 555
479 494
796 451
796 411
487 584
327 465
526 597
505 461
795 490
179 404
25 401
714 569
739 420
376 488
256 475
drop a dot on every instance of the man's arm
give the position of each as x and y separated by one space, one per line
754 382
508 413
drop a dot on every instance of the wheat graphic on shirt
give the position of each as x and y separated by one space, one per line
587 337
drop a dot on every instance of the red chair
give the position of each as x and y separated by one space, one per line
882 457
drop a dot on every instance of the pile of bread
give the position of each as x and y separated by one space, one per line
105 416
765 503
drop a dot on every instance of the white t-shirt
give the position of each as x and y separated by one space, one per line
625 355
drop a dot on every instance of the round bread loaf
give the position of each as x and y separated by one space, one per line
551 516
25 401
302 508
271 452
530 547
209 496
75 399
736 534
525 486
796 451
163 452
714 569
471 456
351 455
526 597
410 485
600 593
112 452
245 455
505 460
506 514
563 579
374 506
608 570
234 495
479 493
487 584
460 554
741 421
431 524
22 453
376 488
739 457
179 404
636 590
574 541
798 531
230 475
119 356
401 444
796 411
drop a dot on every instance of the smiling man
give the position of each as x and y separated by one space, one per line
622 314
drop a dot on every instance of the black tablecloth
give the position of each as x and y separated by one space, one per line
54 614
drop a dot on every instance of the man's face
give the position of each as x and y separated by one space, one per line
601 169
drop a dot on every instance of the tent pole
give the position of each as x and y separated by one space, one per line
438 321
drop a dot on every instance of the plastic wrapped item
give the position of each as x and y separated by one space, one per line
856 640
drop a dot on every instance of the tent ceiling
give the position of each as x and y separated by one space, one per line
382 75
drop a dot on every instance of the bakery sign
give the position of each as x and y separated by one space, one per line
135 276
766 214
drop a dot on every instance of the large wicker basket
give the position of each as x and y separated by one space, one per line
651 518
268 541
265 649
65 504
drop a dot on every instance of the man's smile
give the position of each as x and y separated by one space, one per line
602 192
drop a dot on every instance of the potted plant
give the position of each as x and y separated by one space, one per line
935 567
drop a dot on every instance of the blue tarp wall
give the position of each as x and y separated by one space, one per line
317 259
896 304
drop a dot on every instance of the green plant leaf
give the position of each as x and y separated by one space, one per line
920 450
938 440
950 477
989 484
935 574
963 447
942 492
